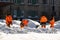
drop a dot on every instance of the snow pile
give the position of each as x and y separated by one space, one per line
28 33
30 36
32 23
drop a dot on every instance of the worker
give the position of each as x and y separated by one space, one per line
52 21
8 20
43 21
23 23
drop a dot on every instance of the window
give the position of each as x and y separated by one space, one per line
14 1
32 13
29 1
5 0
2 0
19 1
33 1
44 1
15 13
20 12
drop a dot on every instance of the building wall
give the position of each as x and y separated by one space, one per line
4 9
25 8
40 8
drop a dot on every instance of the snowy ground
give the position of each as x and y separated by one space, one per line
28 33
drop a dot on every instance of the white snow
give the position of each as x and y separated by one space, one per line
28 33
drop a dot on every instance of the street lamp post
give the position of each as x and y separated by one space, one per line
53 9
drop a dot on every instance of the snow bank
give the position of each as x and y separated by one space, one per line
31 36
14 33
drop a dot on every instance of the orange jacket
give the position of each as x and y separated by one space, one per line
25 22
8 19
43 19
52 22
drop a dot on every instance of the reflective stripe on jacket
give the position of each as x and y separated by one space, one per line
8 19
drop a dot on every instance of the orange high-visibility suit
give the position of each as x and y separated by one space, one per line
43 20
8 20
52 23
24 22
